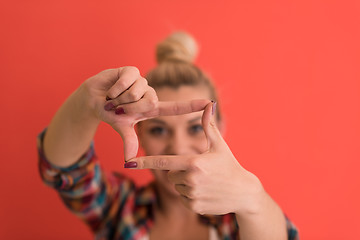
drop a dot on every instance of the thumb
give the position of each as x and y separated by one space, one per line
212 133
131 143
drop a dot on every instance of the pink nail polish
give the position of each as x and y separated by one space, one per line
130 165
213 108
109 106
119 111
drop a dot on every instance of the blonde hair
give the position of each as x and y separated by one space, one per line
175 56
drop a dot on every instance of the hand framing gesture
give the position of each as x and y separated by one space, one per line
209 183
132 99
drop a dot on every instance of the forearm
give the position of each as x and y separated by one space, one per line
265 222
71 131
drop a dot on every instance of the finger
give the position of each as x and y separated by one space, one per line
164 162
126 77
187 202
109 76
146 104
212 133
133 94
131 143
185 191
178 177
177 108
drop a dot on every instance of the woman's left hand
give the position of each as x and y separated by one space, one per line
213 182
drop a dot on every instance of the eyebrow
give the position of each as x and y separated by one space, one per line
164 123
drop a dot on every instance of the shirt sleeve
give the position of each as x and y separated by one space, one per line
292 231
90 193
228 228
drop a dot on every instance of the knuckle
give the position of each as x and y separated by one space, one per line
152 103
192 194
144 80
134 69
160 163
201 211
197 207
176 108
194 163
133 96
212 124
152 93
121 84
191 180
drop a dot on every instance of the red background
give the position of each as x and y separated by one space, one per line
287 72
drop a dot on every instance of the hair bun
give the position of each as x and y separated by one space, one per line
179 46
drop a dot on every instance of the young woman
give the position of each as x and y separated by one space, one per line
200 191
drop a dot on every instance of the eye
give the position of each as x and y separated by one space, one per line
195 129
157 131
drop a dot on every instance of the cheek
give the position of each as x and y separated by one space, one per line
161 176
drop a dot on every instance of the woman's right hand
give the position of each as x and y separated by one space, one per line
122 97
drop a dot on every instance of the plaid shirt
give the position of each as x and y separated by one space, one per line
112 206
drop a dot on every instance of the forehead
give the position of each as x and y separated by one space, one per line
184 93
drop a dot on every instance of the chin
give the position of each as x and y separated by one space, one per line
164 183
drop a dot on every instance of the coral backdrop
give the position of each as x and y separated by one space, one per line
287 72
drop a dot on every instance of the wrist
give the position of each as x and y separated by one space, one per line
256 198
83 107
87 101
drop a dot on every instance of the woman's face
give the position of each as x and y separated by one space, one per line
174 135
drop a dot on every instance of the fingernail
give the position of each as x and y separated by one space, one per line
213 108
119 111
109 106
107 98
130 165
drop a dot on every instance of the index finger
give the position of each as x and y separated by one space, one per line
177 108
163 162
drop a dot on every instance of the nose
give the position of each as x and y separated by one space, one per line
179 144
